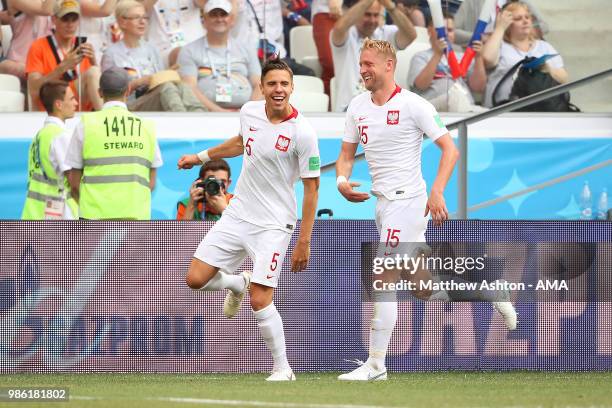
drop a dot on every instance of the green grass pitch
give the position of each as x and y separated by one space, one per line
322 390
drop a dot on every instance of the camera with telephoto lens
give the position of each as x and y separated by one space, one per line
211 185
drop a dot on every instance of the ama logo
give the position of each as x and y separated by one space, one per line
282 143
393 117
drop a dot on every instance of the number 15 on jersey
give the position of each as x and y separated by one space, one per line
362 134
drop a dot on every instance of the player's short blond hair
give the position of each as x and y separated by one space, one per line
124 7
380 46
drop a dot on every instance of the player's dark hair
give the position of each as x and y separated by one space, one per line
50 92
275 64
215 165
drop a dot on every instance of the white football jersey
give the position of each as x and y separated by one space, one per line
391 136
275 157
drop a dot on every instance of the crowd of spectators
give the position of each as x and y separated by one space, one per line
205 55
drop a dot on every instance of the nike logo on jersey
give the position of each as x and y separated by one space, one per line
269 277
282 143
252 129
361 118
393 117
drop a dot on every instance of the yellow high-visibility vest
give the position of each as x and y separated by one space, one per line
118 151
43 182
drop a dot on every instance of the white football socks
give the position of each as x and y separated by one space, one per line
223 280
382 325
271 328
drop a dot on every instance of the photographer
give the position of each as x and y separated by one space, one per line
202 204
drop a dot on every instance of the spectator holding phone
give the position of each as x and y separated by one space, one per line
64 56
202 203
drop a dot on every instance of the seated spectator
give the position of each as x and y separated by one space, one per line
513 40
200 205
142 61
174 24
360 22
48 194
223 73
29 20
62 56
98 24
324 16
469 12
430 76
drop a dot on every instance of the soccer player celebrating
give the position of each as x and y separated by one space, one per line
279 147
389 122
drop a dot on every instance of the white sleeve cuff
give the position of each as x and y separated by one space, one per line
203 156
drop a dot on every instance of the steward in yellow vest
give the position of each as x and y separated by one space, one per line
113 156
48 194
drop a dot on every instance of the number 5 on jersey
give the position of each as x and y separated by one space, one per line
247 146
362 134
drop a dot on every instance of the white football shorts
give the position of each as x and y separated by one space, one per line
231 240
400 222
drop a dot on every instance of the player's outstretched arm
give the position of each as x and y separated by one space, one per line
436 204
232 147
301 253
344 168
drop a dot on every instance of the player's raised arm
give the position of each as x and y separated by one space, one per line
344 168
436 203
232 147
301 253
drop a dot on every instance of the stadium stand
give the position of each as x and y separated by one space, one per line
305 83
578 33
7 35
303 49
333 90
11 101
403 60
310 101
9 83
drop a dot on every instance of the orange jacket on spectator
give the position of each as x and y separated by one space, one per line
41 59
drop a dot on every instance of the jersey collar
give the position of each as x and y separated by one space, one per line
114 104
54 120
397 90
292 115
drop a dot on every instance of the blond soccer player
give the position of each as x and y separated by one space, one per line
389 122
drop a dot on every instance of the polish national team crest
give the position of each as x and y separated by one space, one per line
282 143
393 117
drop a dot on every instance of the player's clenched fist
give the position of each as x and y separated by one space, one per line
437 207
301 254
188 161
346 189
